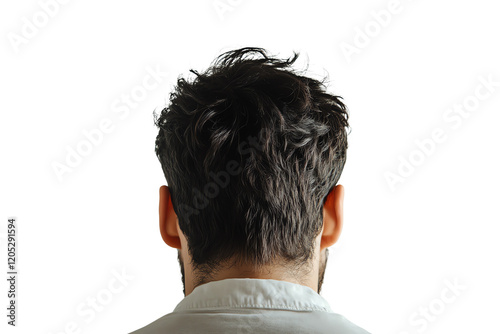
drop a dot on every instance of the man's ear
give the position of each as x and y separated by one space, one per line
333 217
168 220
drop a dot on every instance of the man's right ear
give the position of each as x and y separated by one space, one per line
168 220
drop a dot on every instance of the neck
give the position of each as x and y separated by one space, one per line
307 276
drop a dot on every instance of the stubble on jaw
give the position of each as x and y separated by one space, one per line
183 278
322 269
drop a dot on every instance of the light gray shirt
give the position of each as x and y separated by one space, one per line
252 306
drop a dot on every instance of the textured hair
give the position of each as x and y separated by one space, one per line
250 149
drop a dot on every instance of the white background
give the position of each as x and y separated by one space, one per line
399 246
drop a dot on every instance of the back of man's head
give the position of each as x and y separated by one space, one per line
250 150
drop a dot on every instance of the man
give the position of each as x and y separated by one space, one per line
252 152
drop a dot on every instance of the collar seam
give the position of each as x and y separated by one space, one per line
254 306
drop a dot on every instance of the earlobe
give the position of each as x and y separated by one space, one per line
168 219
333 217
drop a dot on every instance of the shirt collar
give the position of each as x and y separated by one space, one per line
253 293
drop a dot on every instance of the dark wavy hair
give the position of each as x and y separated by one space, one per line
250 149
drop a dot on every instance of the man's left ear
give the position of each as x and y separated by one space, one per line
168 219
333 217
